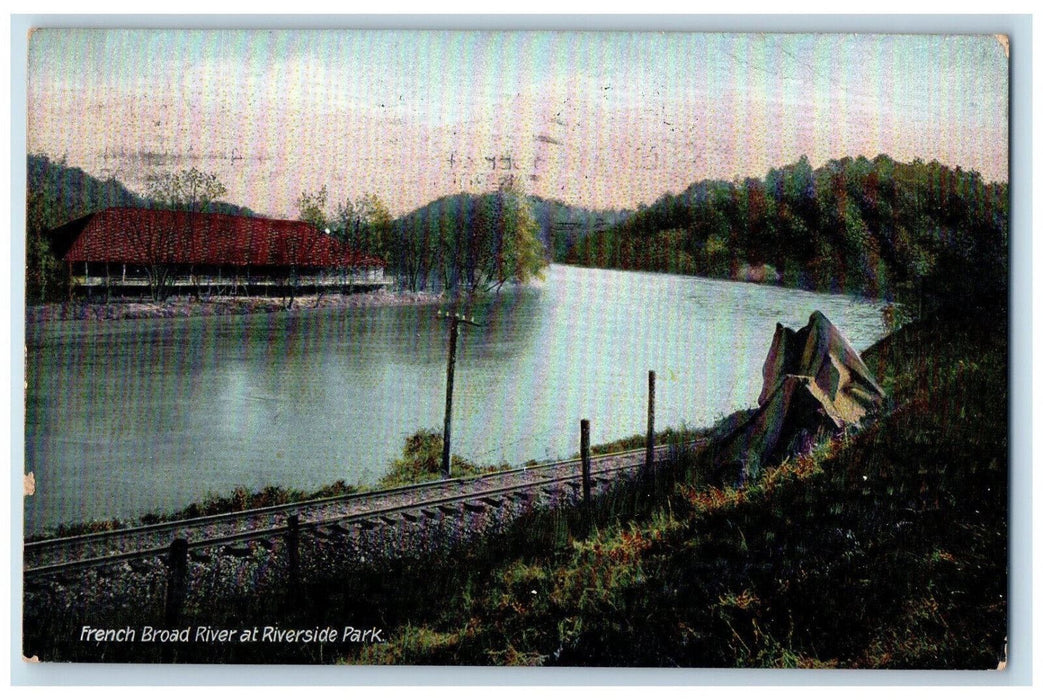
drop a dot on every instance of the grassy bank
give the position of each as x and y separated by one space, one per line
885 549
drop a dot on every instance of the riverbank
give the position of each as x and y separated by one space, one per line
420 463
908 517
217 306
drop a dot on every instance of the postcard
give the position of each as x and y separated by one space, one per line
614 349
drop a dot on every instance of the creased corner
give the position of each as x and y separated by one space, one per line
1004 41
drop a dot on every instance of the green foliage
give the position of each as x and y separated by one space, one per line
56 194
882 549
363 224
520 256
919 232
422 461
186 190
43 273
885 548
895 316
311 207
470 243
241 498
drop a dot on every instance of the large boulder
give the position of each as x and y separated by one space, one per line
815 384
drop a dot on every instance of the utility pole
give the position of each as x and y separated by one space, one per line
454 322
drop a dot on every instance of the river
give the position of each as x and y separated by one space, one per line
129 417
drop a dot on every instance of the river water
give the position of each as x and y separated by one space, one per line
129 417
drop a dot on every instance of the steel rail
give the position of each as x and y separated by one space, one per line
40 547
289 508
233 516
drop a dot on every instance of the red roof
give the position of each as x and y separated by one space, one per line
148 236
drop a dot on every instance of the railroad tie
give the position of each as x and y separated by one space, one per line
234 551
448 510
410 517
475 507
494 502
390 520
321 533
430 513
143 567
366 525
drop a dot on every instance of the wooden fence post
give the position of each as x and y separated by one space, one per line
293 554
584 453
650 438
177 582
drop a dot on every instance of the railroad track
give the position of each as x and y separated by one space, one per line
364 510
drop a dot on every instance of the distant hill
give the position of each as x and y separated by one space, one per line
561 226
70 193
877 227
73 191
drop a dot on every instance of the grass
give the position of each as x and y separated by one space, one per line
884 548
422 461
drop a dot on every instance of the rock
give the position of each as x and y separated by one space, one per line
821 352
815 384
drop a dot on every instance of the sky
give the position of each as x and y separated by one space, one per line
596 119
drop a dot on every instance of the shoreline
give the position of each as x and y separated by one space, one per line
180 307
271 494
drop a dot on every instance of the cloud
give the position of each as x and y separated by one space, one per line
596 119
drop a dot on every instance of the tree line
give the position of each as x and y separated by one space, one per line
55 195
459 244
921 232
917 231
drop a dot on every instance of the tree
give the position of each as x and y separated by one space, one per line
186 190
364 224
521 256
56 194
41 266
311 207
